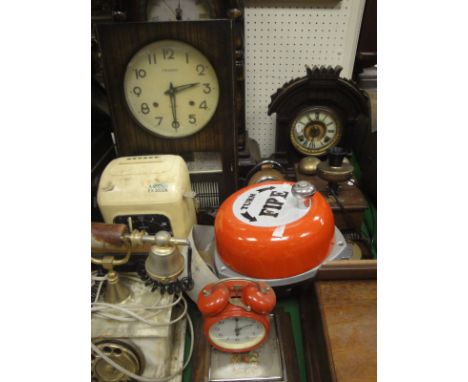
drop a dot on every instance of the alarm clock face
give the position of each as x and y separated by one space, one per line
315 130
236 333
171 88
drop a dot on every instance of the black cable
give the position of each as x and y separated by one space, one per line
353 235
185 284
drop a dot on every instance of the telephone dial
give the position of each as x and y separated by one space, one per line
236 313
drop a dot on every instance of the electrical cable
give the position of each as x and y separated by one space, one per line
370 230
95 292
366 238
145 379
96 309
98 291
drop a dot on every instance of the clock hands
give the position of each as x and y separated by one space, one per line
245 326
238 329
178 12
171 92
177 89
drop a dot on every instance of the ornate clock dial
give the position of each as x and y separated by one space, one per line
237 333
171 10
315 130
171 88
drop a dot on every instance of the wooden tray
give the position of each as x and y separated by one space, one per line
339 324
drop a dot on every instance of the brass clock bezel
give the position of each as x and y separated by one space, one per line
322 150
135 119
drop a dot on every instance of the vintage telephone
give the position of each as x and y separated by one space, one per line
138 330
139 318
236 313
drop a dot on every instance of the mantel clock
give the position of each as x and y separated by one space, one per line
317 112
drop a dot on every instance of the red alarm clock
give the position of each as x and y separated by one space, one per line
236 313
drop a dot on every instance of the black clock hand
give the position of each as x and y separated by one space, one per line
171 93
177 89
178 12
245 326
184 87
237 330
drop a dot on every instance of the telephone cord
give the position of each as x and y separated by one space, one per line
145 379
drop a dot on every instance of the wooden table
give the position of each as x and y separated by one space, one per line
349 317
339 323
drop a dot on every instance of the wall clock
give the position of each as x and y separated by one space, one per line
317 112
170 87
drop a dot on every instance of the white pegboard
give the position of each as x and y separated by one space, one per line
281 37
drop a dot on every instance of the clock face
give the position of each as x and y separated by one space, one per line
171 10
171 88
237 333
315 130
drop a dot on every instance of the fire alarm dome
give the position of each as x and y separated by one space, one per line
277 231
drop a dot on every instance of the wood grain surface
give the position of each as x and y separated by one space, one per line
349 316
350 196
348 270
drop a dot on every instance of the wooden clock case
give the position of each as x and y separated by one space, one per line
322 86
214 38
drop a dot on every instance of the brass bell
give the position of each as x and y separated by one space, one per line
164 262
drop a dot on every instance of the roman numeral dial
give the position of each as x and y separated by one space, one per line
315 130
171 89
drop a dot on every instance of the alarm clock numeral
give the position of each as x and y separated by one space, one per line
192 119
186 58
140 73
203 105
168 54
201 69
137 91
